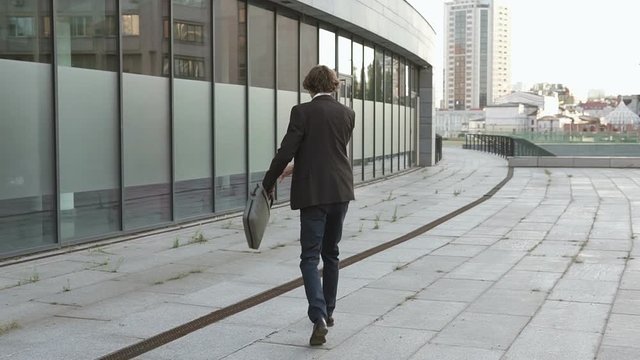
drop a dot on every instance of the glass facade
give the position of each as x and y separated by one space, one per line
125 115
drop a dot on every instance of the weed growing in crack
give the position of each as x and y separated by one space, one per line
198 238
4 328
67 287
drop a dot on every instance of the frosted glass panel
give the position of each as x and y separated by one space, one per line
286 100
193 150
388 132
193 117
379 136
89 152
357 141
262 99
26 156
403 137
369 127
396 135
261 132
230 130
146 150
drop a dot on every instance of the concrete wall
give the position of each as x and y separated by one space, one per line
593 149
575 162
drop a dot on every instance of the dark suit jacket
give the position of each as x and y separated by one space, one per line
317 137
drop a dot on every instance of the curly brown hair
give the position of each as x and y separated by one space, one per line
321 79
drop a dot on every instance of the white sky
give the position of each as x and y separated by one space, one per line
582 44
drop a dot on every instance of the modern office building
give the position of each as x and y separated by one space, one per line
477 64
119 116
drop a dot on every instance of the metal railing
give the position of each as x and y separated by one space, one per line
502 145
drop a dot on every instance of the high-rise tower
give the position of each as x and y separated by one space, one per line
477 53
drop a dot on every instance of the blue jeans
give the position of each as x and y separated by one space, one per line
320 233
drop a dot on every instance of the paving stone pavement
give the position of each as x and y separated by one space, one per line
548 268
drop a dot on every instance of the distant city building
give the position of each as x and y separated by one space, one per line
477 54
523 112
632 102
452 123
595 108
510 118
557 90
595 94
547 105
622 116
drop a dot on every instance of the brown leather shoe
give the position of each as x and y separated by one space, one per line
319 332
330 321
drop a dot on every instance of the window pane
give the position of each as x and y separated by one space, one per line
131 25
358 107
395 141
327 48
344 56
288 53
288 78
146 117
414 108
230 97
89 120
27 201
231 42
261 92
369 109
388 113
401 114
308 55
379 109
192 110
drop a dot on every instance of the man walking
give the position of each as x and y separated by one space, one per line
321 188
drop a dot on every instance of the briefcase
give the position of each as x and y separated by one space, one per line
256 216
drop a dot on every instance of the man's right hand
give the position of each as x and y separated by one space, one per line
287 172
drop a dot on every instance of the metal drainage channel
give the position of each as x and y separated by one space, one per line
170 335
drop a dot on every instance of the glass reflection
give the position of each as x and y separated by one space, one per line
230 96
88 118
327 48
287 80
308 55
379 109
358 107
369 112
147 172
192 108
261 92
27 203
388 113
